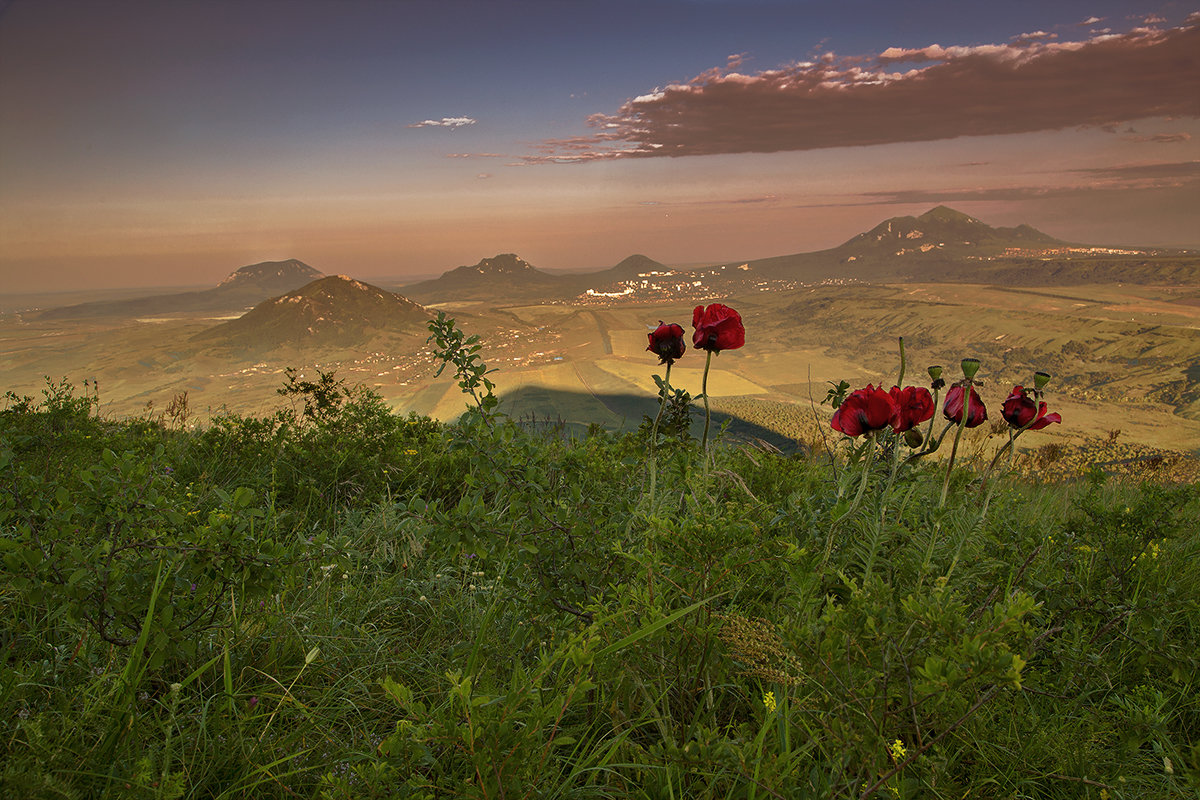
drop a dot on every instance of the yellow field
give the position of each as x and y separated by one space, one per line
721 382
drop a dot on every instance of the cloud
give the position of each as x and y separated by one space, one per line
903 95
1089 181
1158 138
444 122
474 155
1167 173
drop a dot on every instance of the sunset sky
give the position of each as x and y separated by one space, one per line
168 143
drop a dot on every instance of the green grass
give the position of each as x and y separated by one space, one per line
365 605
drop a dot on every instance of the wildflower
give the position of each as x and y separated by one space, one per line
769 702
953 407
1023 413
865 410
897 750
410 452
915 405
666 342
718 328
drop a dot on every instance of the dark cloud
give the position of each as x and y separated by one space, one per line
1125 178
905 95
1163 171
1158 138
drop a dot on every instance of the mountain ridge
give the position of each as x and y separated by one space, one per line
243 287
332 310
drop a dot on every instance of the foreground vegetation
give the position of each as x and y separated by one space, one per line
337 602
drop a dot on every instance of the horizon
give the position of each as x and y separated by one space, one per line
167 146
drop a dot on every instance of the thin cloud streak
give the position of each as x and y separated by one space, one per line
444 122
904 95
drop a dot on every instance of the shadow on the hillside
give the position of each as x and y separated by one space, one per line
571 413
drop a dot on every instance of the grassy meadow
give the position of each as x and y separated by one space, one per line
329 599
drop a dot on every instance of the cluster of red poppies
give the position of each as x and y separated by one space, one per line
717 327
873 409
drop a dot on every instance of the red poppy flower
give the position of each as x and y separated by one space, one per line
865 410
953 407
1020 411
666 342
915 404
718 328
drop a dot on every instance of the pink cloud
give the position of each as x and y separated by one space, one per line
903 95
1158 138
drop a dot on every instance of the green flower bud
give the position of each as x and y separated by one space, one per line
913 438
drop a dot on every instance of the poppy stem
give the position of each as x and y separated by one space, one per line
900 379
707 414
868 460
662 405
962 424
1009 448
932 419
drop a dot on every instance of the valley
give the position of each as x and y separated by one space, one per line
1125 356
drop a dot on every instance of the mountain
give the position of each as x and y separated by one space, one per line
930 246
329 311
632 267
506 275
243 288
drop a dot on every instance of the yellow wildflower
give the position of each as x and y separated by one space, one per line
897 750
769 702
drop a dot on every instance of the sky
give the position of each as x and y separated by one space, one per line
150 143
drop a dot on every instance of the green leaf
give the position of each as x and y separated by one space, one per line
653 627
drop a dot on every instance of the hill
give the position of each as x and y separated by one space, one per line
933 245
506 275
242 288
329 311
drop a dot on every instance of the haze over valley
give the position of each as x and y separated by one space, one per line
1119 330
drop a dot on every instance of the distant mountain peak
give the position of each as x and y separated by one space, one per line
288 270
330 310
639 262
946 214
504 263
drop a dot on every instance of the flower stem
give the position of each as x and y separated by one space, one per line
962 424
662 405
900 379
868 460
707 414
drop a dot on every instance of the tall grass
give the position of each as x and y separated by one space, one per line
397 608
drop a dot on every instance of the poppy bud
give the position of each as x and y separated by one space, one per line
1040 379
969 367
913 437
